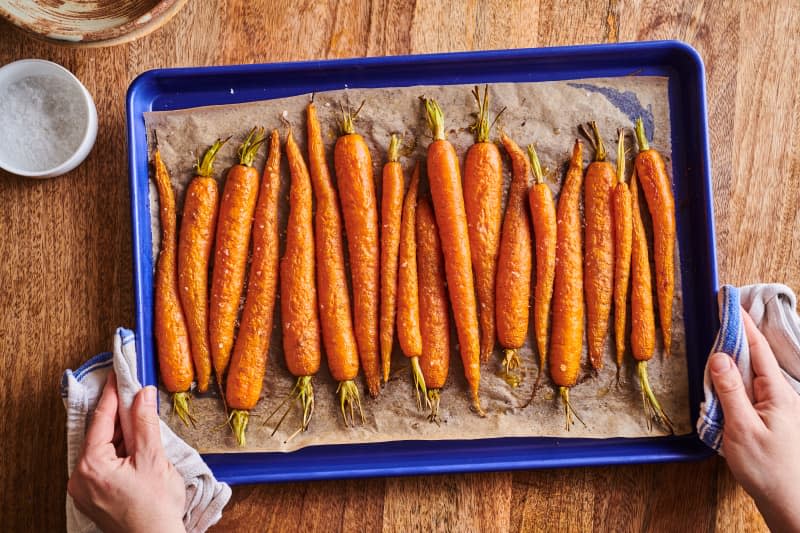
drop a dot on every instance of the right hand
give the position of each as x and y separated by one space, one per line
761 438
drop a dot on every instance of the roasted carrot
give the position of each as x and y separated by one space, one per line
230 255
658 192
169 324
301 330
194 252
433 309
353 165
444 177
408 327
622 251
335 312
483 201
599 253
250 352
391 212
643 326
566 338
543 216
513 285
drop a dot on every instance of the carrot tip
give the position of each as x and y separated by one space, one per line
419 383
180 405
238 420
475 406
652 408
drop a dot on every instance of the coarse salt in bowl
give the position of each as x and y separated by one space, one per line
48 120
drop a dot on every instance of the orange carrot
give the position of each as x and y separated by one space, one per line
353 165
230 256
513 285
433 309
566 338
169 324
657 190
194 252
338 336
643 327
543 215
408 327
448 203
301 330
622 249
391 212
250 352
599 254
483 201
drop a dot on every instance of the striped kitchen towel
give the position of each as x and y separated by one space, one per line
80 390
772 307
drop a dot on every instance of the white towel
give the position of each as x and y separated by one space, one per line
773 309
80 390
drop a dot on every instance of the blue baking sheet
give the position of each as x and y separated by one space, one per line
169 89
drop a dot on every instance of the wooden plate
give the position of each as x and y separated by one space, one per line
89 23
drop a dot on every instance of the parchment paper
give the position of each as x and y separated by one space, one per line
546 114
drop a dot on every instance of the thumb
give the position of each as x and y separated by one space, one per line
145 422
739 412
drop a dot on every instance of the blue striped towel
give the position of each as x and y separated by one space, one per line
80 390
772 307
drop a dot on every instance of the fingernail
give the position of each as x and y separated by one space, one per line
149 395
720 363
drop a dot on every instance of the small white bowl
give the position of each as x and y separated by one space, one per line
87 121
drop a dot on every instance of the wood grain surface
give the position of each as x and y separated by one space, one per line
66 280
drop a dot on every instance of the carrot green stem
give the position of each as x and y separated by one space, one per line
419 383
180 404
433 401
239 419
569 412
348 401
206 164
349 118
600 149
621 156
393 154
641 137
651 406
249 148
481 126
435 118
536 166
303 391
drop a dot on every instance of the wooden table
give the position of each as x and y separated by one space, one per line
66 281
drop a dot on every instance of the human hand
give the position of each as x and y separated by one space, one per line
760 438
127 490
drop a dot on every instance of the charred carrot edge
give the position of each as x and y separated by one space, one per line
195 243
657 190
566 337
171 334
433 307
623 234
335 312
543 216
448 203
353 164
301 328
643 328
234 224
514 264
483 201
391 213
251 349
599 254
408 327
